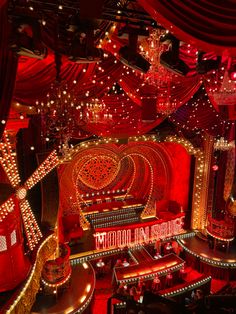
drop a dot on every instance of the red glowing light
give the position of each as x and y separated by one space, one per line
215 167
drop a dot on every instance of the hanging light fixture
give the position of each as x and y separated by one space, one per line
58 111
165 104
223 144
97 112
151 49
224 92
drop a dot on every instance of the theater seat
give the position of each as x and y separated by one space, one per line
166 215
71 226
174 207
167 209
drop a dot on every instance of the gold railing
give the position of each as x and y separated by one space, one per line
220 229
23 302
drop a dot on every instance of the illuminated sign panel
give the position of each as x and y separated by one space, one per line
138 235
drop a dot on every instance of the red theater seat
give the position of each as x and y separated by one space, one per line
174 207
167 209
72 229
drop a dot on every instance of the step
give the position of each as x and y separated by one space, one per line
115 223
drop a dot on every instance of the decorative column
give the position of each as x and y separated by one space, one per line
221 223
201 185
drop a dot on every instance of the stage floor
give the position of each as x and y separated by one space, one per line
200 247
112 206
80 291
83 245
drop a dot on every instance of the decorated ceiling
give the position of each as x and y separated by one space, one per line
113 97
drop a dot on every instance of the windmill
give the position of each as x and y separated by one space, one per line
14 265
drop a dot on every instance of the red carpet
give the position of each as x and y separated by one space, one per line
102 292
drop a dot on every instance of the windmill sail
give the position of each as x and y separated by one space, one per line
31 227
8 161
49 163
6 208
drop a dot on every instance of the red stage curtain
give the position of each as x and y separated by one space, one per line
34 77
8 67
207 24
199 114
222 273
216 272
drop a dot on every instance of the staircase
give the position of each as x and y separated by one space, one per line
140 255
122 216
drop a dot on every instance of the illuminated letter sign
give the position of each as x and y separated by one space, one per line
111 239
144 234
100 240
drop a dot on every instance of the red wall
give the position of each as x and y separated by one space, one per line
181 173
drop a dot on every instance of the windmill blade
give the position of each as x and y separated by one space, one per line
8 161
31 227
6 208
49 163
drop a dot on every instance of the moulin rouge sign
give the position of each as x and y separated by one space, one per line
144 234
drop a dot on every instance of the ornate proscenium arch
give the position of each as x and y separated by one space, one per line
201 178
141 169
149 210
199 199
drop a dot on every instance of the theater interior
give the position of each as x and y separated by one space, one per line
117 156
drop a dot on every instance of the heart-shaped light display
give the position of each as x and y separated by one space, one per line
99 171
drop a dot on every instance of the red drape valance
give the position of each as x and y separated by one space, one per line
210 25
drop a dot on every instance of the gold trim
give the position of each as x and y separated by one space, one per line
26 298
201 178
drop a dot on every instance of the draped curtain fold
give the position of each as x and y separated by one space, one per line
34 78
199 114
210 25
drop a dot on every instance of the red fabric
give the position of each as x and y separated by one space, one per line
71 226
34 77
8 67
180 160
70 221
199 114
161 206
207 24
222 273
94 81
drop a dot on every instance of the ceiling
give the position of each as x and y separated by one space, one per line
79 43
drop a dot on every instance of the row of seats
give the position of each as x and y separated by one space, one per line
103 193
115 212
116 223
113 218
106 199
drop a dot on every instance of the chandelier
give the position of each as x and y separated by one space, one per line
151 49
223 144
57 114
226 94
157 75
165 104
96 112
